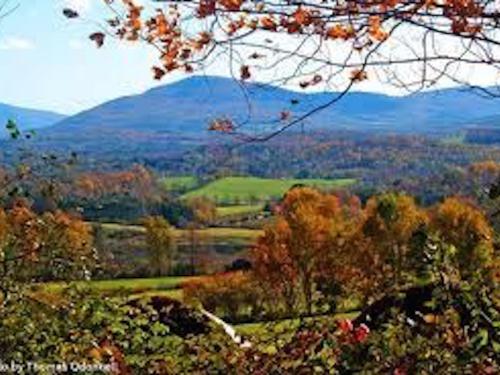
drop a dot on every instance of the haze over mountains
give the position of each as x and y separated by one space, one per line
27 119
185 108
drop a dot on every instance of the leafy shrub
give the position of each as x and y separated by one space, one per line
235 296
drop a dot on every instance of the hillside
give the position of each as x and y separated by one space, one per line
160 125
186 107
27 119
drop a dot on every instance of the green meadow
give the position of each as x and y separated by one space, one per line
180 183
243 190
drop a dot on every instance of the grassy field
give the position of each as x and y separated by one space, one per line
170 287
219 235
182 183
241 190
262 329
454 139
238 210
158 285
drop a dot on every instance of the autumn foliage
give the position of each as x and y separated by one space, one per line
363 24
322 246
137 181
310 235
50 246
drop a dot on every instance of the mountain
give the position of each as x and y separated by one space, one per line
27 119
185 108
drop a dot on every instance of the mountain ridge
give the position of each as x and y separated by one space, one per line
186 107
27 118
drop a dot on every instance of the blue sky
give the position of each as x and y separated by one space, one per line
46 61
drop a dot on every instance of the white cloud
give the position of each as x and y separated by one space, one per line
16 43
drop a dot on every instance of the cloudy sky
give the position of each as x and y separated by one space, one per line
47 61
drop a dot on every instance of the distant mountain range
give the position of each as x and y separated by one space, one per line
185 108
27 119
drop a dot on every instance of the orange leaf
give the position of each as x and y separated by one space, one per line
245 72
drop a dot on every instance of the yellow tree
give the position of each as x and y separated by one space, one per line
303 244
66 247
461 224
390 223
203 210
52 246
160 243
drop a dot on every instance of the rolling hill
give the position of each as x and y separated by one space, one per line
165 122
27 119
186 107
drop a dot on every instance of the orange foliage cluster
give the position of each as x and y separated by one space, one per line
231 294
324 244
204 210
137 181
467 229
318 238
51 244
351 20
489 167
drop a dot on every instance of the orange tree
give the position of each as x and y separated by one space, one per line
459 223
50 246
203 210
303 248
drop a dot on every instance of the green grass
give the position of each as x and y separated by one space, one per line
117 227
248 189
182 183
263 328
238 210
172 293
156 283
168 283
225 233
218 235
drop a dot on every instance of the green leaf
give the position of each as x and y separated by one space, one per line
13 129
481 339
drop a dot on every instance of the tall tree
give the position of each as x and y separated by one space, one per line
390 223
203 210
303 245
461 224
160 243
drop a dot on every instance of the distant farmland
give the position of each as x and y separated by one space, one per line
182 183
241 190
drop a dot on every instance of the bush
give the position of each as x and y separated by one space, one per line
234 296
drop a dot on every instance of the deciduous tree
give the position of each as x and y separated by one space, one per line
390 223
203 210
461 224
304 246
160 244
